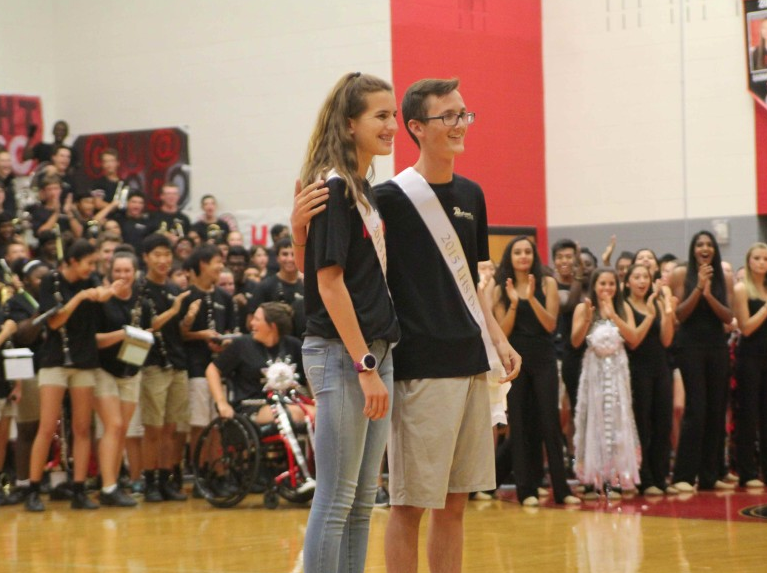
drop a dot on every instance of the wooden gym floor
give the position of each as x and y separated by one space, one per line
701 533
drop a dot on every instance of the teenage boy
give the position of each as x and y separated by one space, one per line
207 314
210 227
165 384
437 456
168 218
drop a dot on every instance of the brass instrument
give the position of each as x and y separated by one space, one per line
63 328
214 232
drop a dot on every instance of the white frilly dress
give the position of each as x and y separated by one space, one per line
607 449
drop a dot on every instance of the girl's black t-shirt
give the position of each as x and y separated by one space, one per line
113 315
338 236
81 326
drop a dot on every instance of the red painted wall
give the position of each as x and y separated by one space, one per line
495 48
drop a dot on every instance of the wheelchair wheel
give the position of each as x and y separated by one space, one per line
271 499
226 461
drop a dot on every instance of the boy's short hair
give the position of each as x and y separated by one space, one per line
414 102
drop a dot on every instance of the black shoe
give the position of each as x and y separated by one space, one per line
80 500
16 496
382 497
152 494
118 498
169 493
223 487
62 492
33 502
197 492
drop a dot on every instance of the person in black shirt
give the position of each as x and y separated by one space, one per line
208 313
168 219
244 290
69 361
7 183
110 181
23 309
50 213
284 286
244 360
351 323
210 228
278 232
42 152
165 383
133 220
117 382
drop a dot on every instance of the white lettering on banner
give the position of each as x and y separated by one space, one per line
16 148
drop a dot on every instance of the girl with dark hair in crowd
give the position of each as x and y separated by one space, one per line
651 381
259 258
647 258
750 306
69 362
350 323
526 305
704 296
606 444
117 382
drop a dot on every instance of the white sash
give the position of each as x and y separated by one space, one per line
418 190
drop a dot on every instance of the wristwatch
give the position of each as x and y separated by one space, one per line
368 363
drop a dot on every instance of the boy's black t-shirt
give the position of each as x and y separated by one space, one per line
160 220
113 315
439 336
133 230
337 236
81 325
19 309
159 298
198 352
242 361
108 186
202 228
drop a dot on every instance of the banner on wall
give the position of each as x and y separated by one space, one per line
18 113
254 224
755 14
148 159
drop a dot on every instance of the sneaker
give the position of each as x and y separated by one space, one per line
33 502
731 478
750 483
169 493
671 490
652 490
530 501
543 492
723 485
590 495
382 497
80 500
683 487
614 495
152 494
571 500
62 492
118 498
478 496
16 496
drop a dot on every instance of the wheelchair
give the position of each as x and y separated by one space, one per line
233 454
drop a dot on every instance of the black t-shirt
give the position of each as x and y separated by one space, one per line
198 353
171 220
113 315
19 309
159 298
274 289
9 204
248 288
338 236
108 186
81 325
133 230
242 361
202 228
43 152
39 216
439 336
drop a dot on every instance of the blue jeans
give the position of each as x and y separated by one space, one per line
349 450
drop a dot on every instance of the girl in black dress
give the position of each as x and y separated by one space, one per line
750 305
651 382
526 306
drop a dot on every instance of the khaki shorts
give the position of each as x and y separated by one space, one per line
127 389
29 405
7 408
67 377
441 440
135 427
164 396
202 410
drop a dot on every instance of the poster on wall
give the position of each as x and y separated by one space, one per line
148 159
254 224
756 48
21 117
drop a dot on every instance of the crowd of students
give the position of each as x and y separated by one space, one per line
651 352
87 268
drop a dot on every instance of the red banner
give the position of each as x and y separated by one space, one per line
17 113
148 159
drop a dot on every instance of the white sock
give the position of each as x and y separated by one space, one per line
22 483
109 489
